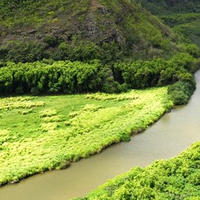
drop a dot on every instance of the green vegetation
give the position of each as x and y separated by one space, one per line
186 24
170 6
56 77
83 30
158 72
182 16
65 47
48 132
177 178
136 51
49 77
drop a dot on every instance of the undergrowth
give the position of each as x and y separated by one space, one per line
44 133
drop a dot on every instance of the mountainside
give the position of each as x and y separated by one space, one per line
183 16
81 30
171 6
134 49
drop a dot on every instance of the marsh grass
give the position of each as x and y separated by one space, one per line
44 133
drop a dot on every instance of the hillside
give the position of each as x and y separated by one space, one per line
134 48
182 16
171 6
81 30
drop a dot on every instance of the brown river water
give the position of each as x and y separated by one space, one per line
172 134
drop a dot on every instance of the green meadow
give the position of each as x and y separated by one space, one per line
40 133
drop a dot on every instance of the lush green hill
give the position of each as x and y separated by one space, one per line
177 178
81 30
182 16
86 30
171 6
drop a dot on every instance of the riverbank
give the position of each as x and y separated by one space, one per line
168 137
177 178
44 133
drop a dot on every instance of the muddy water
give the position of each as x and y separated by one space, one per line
173 133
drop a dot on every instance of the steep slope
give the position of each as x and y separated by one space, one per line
182 16
81 30
171 6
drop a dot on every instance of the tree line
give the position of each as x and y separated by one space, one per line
50 77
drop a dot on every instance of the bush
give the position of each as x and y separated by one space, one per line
50 76
180 92
21 52
179 97
51 40
156 72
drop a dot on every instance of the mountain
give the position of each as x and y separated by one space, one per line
81 30
181 15
120 44
171 6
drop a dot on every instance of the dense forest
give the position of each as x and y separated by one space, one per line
115 53
77 77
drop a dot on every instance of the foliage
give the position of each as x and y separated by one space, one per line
21 51
82 125
41 77
81 31
180 92
182 16
171 6
52 77
44 133
177 178
157 72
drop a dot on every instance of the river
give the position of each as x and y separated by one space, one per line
173 133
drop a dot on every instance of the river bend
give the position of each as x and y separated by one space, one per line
173 133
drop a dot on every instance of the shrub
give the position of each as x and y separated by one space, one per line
51 40
180 92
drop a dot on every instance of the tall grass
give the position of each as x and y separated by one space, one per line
44 133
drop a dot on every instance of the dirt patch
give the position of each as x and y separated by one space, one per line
94 4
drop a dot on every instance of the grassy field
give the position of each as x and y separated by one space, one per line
177 178
48 132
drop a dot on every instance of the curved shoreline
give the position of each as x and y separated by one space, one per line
161 179
125 123
168 137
